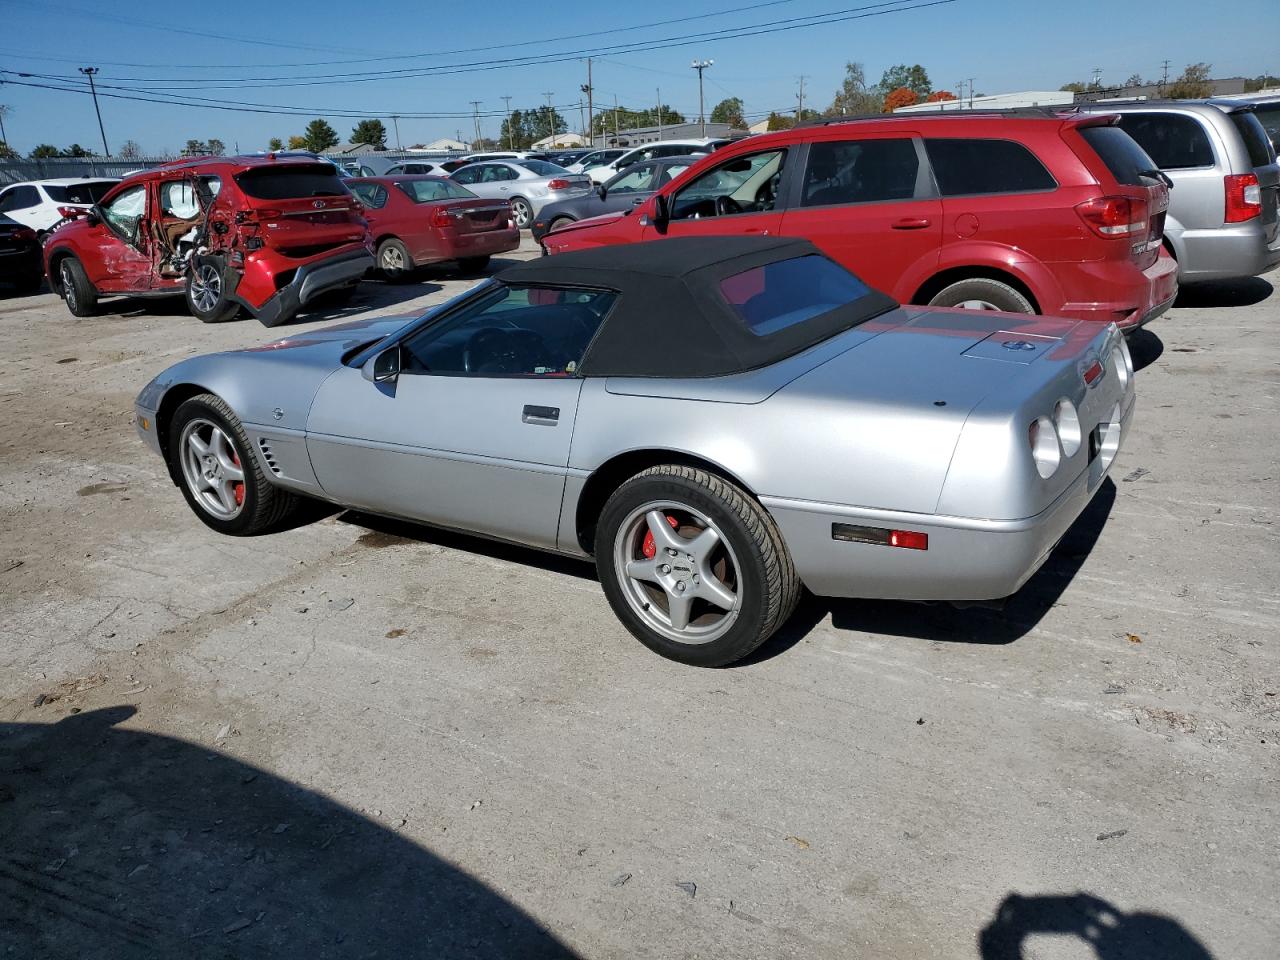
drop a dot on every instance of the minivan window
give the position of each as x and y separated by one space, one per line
965 167
291 182
1127 161
1172 140
1254 136
860 171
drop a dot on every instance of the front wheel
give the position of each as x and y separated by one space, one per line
693 566
209 457
983 293
206 295
522 211
81 297
559 222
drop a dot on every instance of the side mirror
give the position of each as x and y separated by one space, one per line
382 367
602 190
661 212
93 215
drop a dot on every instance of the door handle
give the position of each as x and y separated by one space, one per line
763 233
638 200
543 416
910 223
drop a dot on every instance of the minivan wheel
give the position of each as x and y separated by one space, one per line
206 297
982 293
82 299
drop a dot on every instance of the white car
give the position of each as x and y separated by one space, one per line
36 203
650 151
595 159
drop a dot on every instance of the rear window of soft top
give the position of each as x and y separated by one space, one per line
784 293
291 182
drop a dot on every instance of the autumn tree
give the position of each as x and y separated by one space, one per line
939 95
854 96
729 111
1193 84
319 136
901 97
372 132
915 78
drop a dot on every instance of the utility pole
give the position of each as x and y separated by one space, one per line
959 96
475 116
615 119
1097 77
591 120
701 65
800 100
659 91
1164 79
971 79
507 122
551 126
3 110
395 119
89 72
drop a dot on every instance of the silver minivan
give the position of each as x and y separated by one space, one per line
1222 219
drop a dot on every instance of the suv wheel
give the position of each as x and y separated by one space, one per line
206 298
82 299
693 566
982 293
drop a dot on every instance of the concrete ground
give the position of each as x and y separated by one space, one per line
361 738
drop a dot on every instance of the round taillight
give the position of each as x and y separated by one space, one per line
1067 423
1045 450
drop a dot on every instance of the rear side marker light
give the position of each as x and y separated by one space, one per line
1244 197
1092 373
1113 217
880 536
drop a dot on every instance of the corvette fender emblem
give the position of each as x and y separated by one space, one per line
1017 345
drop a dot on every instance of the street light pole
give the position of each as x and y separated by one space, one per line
396 120
701 65
89 72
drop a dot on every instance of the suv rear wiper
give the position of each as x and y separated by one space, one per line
1155 174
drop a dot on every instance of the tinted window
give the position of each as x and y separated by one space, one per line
1269 116
1172 140
292 182
467 175
965 167
372 195
514 331
90 191
787 292
1127 161
20 198
637 177
426 191
1254 136
496 172
541 168
860 172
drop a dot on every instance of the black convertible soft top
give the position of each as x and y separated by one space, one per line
672 318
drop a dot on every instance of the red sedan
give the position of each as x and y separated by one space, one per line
416 220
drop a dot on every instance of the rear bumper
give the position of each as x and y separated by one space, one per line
1125 295
1240 250
310 280
967 559
466 245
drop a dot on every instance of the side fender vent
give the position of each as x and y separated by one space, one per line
268 457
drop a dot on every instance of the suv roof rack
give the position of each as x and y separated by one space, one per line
1012 113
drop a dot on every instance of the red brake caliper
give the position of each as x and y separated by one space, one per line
239 485
649 548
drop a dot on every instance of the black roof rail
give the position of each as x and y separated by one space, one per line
1013 113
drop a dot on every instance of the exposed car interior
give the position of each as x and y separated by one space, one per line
176 228
743 185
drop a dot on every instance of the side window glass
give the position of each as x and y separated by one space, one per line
465 175
506 173
125 212
7 200
372 195
21 198
967 167
742 185
670 173
1173 141
639 177
860 171
515 331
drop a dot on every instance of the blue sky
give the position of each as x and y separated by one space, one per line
1004 44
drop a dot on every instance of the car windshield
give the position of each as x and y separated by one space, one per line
427 191
91 191
541 168
291 182
784 293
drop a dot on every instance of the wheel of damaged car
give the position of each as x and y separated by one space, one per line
76 290
206 293
394 262
209 458
693 566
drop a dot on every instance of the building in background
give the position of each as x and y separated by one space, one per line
997 101
560 140
635 136
443 145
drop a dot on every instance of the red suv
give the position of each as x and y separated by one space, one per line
1028 212
261 233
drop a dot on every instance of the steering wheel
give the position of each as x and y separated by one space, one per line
492 350
726 205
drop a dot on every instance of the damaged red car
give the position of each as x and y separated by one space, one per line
417 220
264 234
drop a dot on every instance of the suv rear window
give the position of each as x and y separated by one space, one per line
965 167
91 191
1127 161
787 292
291 182
1172 140
1268 115
1254 136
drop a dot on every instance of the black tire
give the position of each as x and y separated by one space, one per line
75 288
473 264
206 296
559 222
263 506
994 294
394 262
767 585
522 210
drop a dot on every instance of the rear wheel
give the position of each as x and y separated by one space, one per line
522 211
693 566
982 293
206 295
559 222
394 261
81 297
210 459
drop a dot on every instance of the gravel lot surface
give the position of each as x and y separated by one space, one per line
362 738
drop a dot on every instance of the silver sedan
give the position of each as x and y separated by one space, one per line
528 184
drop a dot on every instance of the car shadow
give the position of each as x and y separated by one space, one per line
1111 933
369 295
120 843
1234 292
1145 348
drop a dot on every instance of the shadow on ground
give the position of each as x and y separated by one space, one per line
1111 933
1236 292
1145 348
124 844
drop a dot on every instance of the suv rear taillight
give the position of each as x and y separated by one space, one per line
1113 217
1244 197
441 217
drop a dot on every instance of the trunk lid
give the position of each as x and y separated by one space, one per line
476 216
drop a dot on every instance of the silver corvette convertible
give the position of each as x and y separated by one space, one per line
714 421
